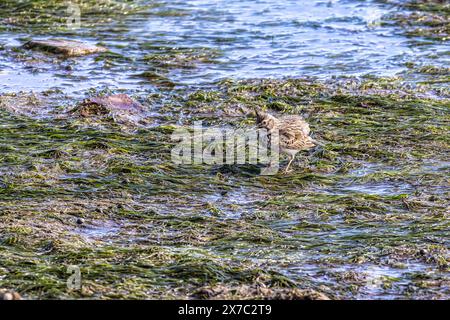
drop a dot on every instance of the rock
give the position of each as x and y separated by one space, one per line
33 104
22 103
80 221
68 48
9 295
118 104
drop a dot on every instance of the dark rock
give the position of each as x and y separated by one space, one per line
68 48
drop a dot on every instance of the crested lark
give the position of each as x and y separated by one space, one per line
293 133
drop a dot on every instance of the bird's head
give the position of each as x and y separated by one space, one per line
265 120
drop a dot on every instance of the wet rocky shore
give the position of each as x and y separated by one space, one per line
87 180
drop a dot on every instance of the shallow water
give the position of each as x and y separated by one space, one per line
248 39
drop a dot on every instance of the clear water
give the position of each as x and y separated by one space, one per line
294 38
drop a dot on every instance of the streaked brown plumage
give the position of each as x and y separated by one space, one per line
293 133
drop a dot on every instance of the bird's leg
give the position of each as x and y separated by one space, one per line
291 158
272 169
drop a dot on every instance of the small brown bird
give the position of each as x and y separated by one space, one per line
293 133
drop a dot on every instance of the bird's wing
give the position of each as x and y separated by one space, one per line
296 122
292 136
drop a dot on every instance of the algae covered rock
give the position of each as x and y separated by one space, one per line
23 103
118 103
67 48
120 107
44 104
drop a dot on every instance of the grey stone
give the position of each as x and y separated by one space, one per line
68 48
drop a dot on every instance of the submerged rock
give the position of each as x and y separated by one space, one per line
68 48
23 103
9 295
46 104
120 107
118 103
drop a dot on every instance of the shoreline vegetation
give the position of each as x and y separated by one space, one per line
364 216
